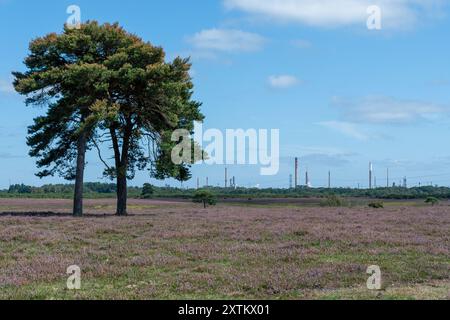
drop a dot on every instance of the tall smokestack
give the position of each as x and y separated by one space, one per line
207 182
296 173
370 175
226 177
329 179
307 178
387 178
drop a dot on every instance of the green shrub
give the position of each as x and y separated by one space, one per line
432 200
333 201
206 197
147 191
376 205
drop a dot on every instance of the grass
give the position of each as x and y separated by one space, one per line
181 251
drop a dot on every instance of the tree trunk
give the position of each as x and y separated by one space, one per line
121 159
121 193
79 178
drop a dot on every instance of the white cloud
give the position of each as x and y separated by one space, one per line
301 44
336 160
7 155
439 83
283 81
226 40
349 129
335 13
382 110
305 150
6 86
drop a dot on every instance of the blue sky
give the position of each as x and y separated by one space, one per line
341 95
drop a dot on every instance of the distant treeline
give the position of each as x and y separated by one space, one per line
106 190
304 192
91 189
377 193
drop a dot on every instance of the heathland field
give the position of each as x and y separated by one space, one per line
172 250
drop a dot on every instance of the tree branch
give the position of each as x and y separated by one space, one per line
100 154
